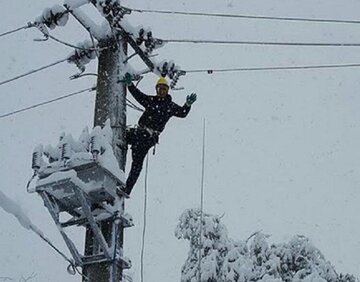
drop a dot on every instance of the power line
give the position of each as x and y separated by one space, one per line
239 42
69 44
15 30
245 16
210 71
47 102
33 71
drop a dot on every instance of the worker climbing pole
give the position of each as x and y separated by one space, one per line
85 178
158 110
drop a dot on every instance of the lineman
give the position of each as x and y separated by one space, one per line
158 110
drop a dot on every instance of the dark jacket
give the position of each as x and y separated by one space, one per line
158 110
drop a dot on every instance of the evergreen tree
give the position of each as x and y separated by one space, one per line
223 259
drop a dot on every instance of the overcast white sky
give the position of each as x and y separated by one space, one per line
282 147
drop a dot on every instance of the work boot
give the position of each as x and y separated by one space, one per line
121 192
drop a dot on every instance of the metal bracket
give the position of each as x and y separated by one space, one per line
97 232
51 207
136 48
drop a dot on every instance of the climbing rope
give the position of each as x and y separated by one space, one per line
144 224
202 197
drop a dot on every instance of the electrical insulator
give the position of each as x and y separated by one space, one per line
116 20
84 139
164 69
140 38
95 142
149 49
56 16
62 135
149 43
82 57
175 80
42 28
65 151
172 71
106 10
66 148
124 11
80 66
37 158
149 40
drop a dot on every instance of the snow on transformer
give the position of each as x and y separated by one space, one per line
82 179
90 159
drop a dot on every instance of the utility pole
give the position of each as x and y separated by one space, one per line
110 104
103 259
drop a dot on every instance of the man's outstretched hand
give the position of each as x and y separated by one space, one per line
190 99
127 78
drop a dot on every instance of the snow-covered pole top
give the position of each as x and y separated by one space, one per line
140 39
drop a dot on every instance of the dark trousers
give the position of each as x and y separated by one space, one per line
141 141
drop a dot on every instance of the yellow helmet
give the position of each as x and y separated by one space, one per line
162 81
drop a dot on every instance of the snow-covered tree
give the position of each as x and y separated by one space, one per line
223 259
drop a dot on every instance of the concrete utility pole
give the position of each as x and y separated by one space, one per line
103 259
110 104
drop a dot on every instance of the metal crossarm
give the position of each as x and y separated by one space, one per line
136 48
97 232
55 215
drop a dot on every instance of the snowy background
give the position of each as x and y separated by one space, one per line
282 147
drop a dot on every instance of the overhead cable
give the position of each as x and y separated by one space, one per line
33 71
29 25
210 71
69 44
245 16
48 102
15 30
239 42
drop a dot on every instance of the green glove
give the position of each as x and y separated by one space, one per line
190 99
127 79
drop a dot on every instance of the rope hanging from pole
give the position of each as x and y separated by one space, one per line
202 198
144 224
